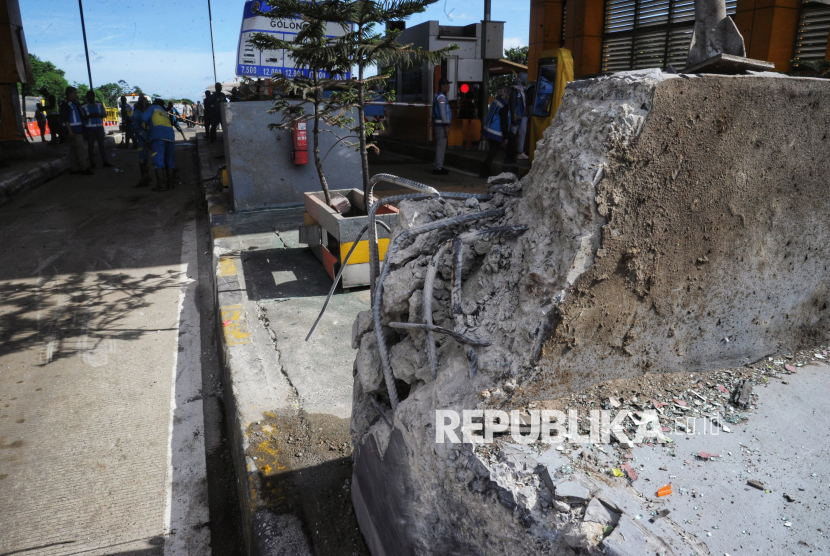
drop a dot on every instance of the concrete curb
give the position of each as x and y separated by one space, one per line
33 178
251 385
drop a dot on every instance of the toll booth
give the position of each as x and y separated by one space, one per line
464 67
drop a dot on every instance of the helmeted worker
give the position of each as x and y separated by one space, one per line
140 134
162 143
93 113
496 127
441 119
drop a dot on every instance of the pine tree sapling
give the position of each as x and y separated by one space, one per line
362 46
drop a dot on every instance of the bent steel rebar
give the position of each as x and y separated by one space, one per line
458 337
380 410
374 256
340 274
429 283
393 247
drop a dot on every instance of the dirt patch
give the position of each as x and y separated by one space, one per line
304 468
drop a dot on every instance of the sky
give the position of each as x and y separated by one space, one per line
164 46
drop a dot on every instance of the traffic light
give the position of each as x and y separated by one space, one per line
468 100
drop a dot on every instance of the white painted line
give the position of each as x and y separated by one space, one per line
186 511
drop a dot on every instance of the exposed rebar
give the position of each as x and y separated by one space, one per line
429 284
376 302
458 337
340 273
374 256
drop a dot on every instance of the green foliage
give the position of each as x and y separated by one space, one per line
518 55
366 42
82 90
48 76
185 101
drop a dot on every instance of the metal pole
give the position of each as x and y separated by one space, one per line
86 50
212 48
485 76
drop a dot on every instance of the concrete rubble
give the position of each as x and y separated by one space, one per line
672 226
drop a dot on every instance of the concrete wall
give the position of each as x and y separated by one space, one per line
261 170
675 224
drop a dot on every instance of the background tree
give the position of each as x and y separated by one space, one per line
46 76
319 72
362 46
517 55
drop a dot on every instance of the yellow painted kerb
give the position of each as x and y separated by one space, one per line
227 266
234 325
361 252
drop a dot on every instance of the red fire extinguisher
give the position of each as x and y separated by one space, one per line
300 143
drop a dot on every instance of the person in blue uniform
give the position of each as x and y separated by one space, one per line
93 114
70 112
441 119
496 128
162 143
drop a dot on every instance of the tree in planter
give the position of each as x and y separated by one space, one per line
310 53
362 47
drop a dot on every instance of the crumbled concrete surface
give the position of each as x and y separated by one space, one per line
675 224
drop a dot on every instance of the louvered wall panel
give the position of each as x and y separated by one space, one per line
652 12
679 40
661 31
813 27
616 55
649 49
619 15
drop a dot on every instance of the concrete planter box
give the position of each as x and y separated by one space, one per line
331 234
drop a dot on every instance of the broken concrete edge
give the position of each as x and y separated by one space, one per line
244 353
586 197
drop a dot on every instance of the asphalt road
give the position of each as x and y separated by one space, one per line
111 427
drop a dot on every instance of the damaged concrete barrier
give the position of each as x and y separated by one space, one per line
675 223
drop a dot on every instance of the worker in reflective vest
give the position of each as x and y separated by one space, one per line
93 114
496 128
71 117
441 119
140 135
162 142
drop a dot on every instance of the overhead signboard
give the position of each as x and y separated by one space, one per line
251 62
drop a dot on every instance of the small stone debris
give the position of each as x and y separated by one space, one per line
756 484
742 396
630 472
614 402
597 512
572 492
789 497
560 506
505 178
659 515
706 455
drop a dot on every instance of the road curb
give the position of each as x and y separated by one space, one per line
251 386
12 187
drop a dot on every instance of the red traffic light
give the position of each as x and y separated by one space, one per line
465 88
